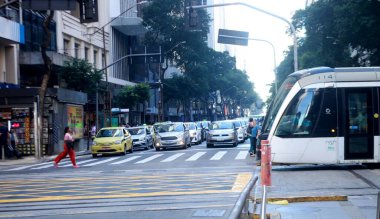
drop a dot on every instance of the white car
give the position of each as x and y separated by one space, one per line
195 132
240 130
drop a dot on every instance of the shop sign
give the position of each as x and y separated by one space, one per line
75 120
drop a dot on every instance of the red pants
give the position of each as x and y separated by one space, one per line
63 154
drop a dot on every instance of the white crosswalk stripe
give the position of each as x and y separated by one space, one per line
127 160
101 161
50 164
196 156
241 155
139 159
80 162
173 157
26 167
218 155
150 158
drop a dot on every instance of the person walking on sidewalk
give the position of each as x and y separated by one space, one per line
68 146
4 139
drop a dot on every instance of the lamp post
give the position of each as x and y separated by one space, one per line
295 47
161 115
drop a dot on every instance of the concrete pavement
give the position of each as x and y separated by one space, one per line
320 191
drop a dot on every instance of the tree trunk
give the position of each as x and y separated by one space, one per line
45 80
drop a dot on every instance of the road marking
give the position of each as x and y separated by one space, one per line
101 161
126 160
25 167
51 164
81 162
241 155
196 156
173 157
218 155
149 158
241 181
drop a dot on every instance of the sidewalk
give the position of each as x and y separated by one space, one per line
33 160
320 192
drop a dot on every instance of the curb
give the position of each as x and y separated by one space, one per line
307 199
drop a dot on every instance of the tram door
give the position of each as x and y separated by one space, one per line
359 123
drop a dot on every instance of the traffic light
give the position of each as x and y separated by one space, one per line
88 11
191 15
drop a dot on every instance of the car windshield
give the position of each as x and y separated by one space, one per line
169 128
136 131
105 133
191 126
221 125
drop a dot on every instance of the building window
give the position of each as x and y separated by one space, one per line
95 58
86 53
66 46
76 48
103 60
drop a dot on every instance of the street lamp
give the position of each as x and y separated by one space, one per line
265 12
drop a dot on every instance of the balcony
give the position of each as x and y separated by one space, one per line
130 26
12 32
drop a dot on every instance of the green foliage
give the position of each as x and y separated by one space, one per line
129 96
340 33
80 75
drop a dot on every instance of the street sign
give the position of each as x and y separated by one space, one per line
233 37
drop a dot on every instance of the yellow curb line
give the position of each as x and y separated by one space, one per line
307 199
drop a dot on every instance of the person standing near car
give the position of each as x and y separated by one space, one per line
4 139
254 133
249 133
68 149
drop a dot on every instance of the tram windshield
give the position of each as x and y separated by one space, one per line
276 104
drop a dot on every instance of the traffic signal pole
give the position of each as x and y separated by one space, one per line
295 47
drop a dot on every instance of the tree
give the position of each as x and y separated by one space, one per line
129 96
337 34
75 71
45 78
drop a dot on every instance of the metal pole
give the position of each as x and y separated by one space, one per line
295 47
378 206
263 203
97 108
36 132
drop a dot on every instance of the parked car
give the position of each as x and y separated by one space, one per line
171 135
195 132
222 133
112 140
142 137
205 127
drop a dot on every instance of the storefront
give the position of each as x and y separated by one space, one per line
62 108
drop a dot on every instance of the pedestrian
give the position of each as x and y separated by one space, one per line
68 146
13 143
4 139
254 134
93 131
249 133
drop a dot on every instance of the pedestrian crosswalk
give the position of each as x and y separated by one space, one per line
144 158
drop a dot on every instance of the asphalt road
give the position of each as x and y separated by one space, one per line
198 182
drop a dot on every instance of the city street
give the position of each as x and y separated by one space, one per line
190 183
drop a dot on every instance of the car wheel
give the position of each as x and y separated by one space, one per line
125 150
131 150
94 155
158 149
210 145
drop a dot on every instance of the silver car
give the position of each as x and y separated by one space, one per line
195 132
142 137
222 133
171 135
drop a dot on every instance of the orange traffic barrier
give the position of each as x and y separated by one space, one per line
266 164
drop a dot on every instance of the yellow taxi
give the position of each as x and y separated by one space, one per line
112 140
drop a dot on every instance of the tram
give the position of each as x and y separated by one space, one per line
326 116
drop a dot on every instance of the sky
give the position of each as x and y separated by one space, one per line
257 58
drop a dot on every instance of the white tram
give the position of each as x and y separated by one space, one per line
326 116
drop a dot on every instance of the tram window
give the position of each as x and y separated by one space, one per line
301 115
326 125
